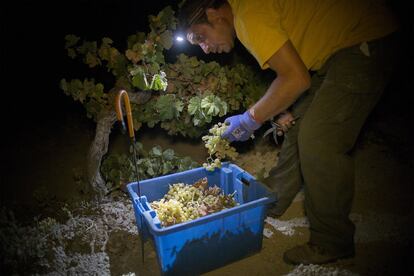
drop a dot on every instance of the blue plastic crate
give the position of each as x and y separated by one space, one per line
209 242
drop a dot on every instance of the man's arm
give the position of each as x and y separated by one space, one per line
292 80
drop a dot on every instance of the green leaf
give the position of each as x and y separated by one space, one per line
71 40
140 81
92 60
64 85
107 41
186 163
166 39
88 46
196 121
71 53
151 171
167 167
194 105
116 166
197 79
168 154
156 151
214 106
166 107
136 38
114 174
179 106
213 110
194 62
209 105
166 15
159 82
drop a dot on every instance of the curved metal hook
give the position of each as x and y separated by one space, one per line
123 94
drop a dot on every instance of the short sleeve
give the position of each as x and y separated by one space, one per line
259 28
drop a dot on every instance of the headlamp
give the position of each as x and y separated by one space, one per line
179 38
180 35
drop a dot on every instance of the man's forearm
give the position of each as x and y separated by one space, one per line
280 95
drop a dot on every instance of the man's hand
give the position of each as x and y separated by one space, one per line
284 121
240 127
281 125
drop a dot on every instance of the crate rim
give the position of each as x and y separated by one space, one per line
198 221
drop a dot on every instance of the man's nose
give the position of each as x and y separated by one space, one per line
205 47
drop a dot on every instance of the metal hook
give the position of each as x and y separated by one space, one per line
123 94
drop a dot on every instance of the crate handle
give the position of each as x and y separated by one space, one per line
245 181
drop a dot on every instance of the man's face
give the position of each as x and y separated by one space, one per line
217 37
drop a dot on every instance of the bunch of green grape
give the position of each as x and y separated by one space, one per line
217 147
185 202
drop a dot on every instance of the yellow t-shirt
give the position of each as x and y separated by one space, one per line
317 28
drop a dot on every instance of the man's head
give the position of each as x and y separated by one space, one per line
209 24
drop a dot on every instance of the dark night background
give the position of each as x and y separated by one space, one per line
33 61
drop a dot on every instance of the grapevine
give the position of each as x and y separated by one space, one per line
217 147
119 169
182 96
186 94
185 202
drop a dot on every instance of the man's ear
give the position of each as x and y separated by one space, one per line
213 15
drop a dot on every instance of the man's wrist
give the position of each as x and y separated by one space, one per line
248 122
254 117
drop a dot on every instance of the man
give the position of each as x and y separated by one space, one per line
332 60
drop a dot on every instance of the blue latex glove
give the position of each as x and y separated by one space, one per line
240 127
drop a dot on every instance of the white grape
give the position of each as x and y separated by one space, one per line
217 147
187 202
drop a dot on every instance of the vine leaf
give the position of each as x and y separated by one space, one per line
92 60
140 81
159 82
119 169
71 40
168 154
214 106
194 105
133 56
166 167
202 90
166 106
156 151
166 39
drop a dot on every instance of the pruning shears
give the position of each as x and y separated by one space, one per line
276 129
